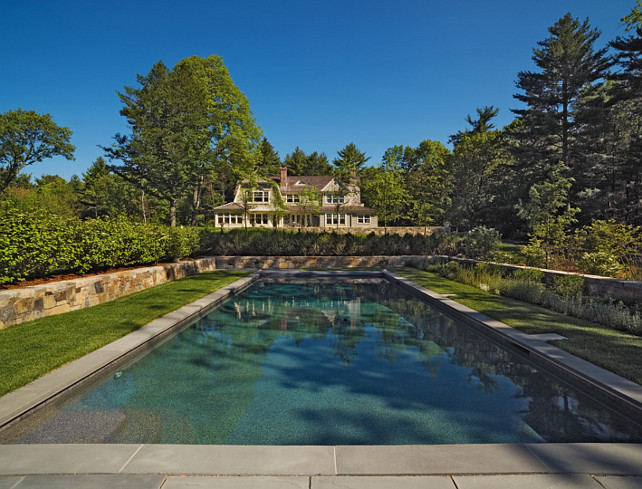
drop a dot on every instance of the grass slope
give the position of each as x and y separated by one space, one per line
613 350
30 350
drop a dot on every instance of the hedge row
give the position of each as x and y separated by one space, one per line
35 244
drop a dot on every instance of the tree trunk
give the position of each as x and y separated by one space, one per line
196 201
172 213
142 204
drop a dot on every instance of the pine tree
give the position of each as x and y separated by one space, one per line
570 67
350 160
267 160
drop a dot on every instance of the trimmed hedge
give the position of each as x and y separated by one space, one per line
34 244
280 242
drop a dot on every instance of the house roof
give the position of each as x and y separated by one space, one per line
231 206
296 183
347 208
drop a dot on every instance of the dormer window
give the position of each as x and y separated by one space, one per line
260 196
334 199
300 182
292 198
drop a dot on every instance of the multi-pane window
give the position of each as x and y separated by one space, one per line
259 218
334 199
336 218
260 196
363 219
230 219
292 198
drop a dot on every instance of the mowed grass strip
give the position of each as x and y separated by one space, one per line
30 350
613 350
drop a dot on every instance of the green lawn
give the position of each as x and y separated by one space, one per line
30 350
613 350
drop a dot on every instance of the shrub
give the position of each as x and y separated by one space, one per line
534 256
569 286
600 263
182 242
479 242
529 275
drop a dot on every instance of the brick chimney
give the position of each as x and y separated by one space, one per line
284 176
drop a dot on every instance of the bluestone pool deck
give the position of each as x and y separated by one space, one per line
498 466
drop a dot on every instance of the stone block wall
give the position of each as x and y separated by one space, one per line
34 302
427 230
593 284
28 303
287 262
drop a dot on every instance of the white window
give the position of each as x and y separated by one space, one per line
292 198
334 199
336 218
260 196
259 218
363 219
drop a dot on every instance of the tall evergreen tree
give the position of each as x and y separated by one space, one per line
268 162
479 168
299 163
569 67
350 160
295 161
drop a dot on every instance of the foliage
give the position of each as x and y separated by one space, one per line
385 190
27 137
479 165
299 163
427 182
268 162
186 123
479 242
547 213
529 275
569 286
600 263
301 243
565 294
349 161
557 96
35 243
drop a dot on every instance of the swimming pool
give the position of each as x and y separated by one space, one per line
313 362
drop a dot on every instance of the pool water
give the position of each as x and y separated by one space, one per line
329 363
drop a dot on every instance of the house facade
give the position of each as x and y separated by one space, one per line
296 202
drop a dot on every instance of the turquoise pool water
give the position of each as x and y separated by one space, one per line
341 362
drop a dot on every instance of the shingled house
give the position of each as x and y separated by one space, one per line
296 201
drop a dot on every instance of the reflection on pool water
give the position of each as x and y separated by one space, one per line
328 363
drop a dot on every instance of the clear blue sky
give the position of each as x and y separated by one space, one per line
318 74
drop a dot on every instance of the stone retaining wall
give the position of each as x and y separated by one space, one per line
427 230
593 284
285 262
34 302
28 303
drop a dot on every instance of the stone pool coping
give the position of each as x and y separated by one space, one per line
146 466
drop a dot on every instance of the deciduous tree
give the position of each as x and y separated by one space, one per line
27 137
186 124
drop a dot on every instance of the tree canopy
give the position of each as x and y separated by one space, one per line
187 124
27 137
